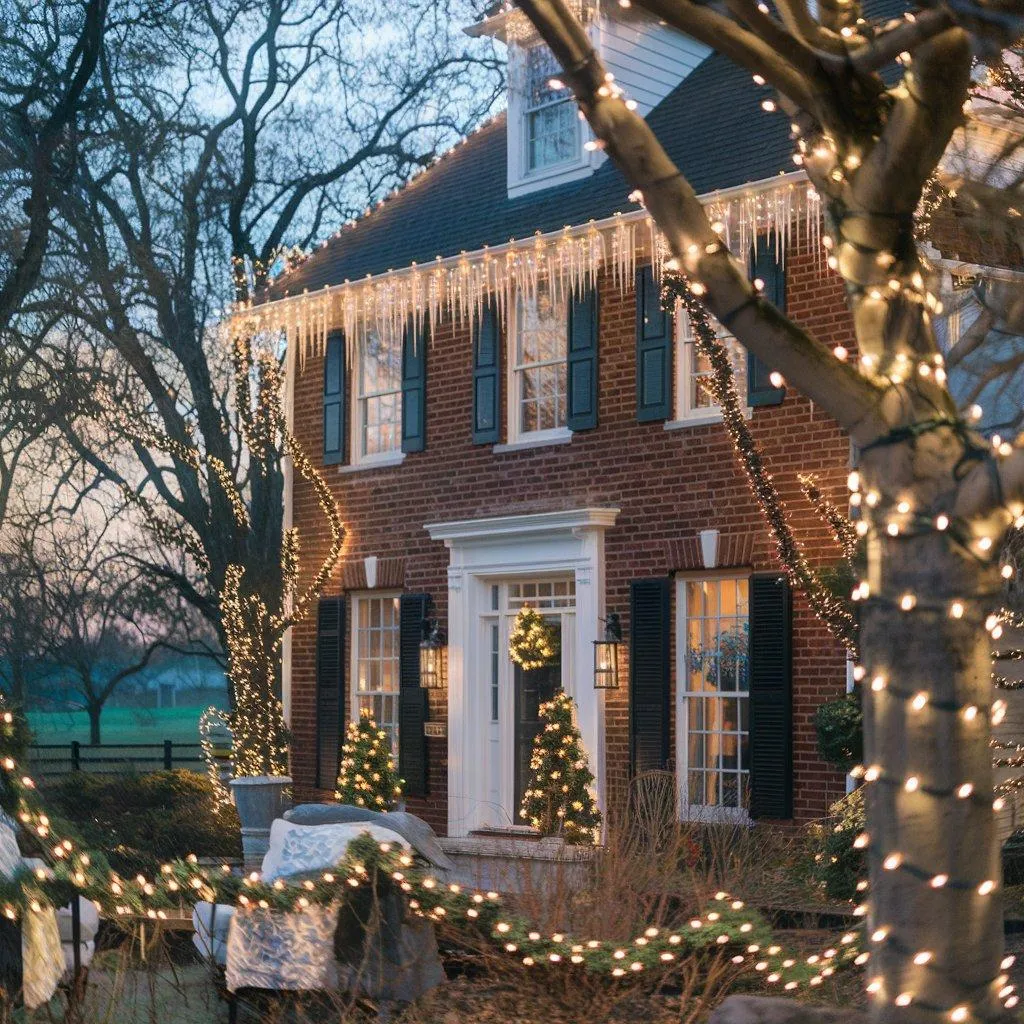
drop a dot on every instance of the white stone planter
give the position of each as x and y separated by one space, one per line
259 799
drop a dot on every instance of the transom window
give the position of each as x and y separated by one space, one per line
715 694
552 127
544 595
379 395
375 647
694 397
539 371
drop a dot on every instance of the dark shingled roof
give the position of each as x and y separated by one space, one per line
711 124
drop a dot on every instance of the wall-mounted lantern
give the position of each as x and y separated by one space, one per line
433 663
606 655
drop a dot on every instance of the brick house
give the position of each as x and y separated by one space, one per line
508 422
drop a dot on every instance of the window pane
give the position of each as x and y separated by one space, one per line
380 392
717 722
541 341
375 651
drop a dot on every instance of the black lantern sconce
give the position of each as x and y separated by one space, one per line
433 663
606 655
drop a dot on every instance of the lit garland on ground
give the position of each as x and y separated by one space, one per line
727 925
367 776
832 611
558 800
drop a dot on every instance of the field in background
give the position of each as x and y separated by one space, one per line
119 725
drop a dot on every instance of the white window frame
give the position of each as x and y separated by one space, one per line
514 374
686 414
688 811
359 459
353 643
521 179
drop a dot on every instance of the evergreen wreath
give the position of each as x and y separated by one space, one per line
559 801
367 777
533 643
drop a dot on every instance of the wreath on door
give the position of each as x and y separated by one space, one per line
533 642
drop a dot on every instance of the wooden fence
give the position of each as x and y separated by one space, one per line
49 759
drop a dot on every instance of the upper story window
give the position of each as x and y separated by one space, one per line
377 427
695 401
537 393
551 125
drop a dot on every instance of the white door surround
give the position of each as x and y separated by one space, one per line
483 551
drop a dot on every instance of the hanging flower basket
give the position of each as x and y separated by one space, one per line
533 643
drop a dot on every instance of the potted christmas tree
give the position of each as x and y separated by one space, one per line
367 777
558 801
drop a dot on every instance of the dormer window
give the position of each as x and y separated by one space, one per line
545 133
551 125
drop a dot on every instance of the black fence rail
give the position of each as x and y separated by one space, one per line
49 759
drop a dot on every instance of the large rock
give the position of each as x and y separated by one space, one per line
766 1010
415 831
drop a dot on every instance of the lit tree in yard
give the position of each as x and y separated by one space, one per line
938 498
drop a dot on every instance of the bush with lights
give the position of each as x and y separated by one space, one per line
368 777
533 642
559 801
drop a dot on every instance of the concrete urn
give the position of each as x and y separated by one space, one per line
259 799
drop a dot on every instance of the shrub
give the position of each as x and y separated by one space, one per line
142 821
840 728
837 864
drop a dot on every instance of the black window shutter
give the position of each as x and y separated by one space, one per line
334 399
654 351
649 631
760 390
771 696
414 387
582 362
330 688
412 698
486 376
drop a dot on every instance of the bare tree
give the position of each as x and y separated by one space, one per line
84 619
222 133
937 496
50 53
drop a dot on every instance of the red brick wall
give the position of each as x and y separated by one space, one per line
668 484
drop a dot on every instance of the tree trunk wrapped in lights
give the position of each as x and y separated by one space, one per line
254 617
936 497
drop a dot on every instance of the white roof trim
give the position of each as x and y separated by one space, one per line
528 524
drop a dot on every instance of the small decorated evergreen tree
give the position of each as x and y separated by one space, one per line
368 777
533 642
559 801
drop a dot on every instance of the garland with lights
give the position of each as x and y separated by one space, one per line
367 776
558 800
726 926
722 384
533 642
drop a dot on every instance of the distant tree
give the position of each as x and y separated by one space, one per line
85 620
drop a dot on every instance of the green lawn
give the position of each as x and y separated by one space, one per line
119 725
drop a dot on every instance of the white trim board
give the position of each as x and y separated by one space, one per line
481 552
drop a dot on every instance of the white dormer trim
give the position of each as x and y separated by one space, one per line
521 180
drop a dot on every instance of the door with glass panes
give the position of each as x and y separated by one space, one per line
515 695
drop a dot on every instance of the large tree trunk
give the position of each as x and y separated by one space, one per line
924 832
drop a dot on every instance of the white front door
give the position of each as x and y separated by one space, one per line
514 696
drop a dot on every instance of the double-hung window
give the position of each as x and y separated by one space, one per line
695 399
537 406
551 127
714 694
375 653
377 432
